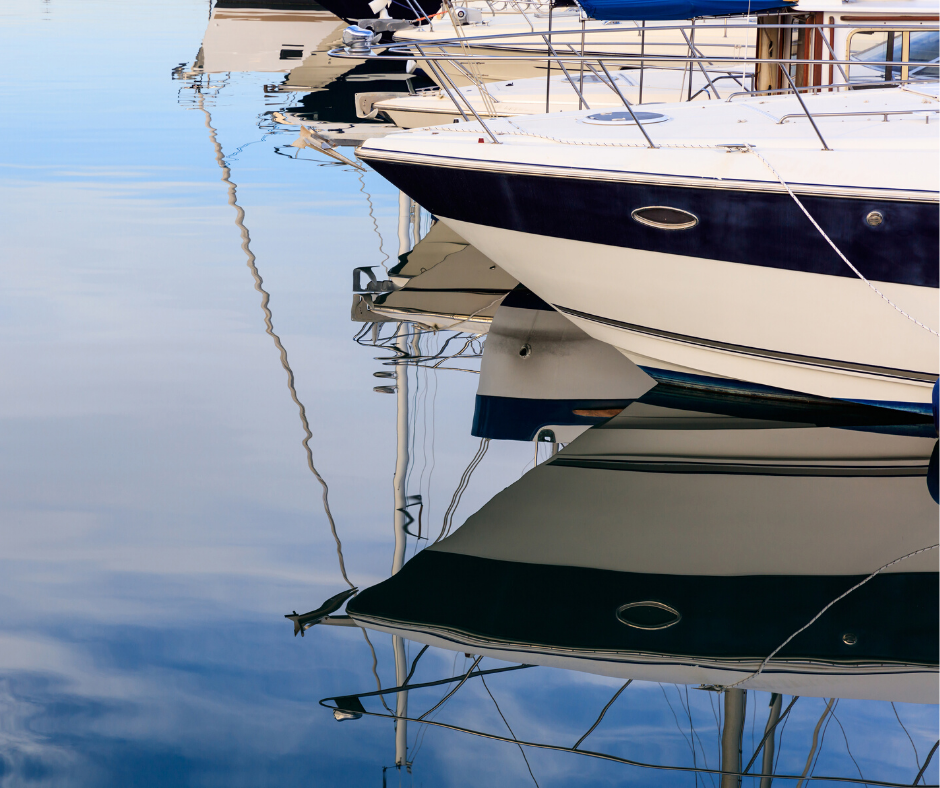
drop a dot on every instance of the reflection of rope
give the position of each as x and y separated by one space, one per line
898 717
836 248
269 329
819 614
461 488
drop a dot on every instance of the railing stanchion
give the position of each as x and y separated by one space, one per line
803 105
627 104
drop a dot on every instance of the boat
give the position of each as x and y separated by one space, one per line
507 47
782 245
542 378
707 549
433 106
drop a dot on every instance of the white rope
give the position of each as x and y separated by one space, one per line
815 618
836 248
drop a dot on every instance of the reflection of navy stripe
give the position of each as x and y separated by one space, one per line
752 227
869 369
894 616
523 298
737 468
518 419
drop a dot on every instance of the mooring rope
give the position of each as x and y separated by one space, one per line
838 251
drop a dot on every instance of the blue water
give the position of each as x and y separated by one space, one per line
158 516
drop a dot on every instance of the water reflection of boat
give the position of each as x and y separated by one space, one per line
543 378
244 37
443 283
682 547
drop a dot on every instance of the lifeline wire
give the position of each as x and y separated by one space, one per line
817 616
836 248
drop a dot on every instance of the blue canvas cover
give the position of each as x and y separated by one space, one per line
664 10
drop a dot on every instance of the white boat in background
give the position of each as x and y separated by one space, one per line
542 378
523 34
433 106
682 547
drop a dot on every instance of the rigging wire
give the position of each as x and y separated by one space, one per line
916 756
506 722
926 763
603 712
847 748
616 759
770 732
822 739
676 718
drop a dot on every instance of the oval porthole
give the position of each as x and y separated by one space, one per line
665 218
624 118
648 615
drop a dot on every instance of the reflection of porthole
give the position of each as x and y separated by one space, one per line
665 218
648 615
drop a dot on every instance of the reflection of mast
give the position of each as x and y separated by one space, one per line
269 326
733 730
401 470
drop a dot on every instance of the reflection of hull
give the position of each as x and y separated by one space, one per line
264 39
540 371
744 533
318 69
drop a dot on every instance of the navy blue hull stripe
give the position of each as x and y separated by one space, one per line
894 616
757 228
902 374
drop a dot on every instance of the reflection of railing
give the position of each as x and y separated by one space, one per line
353 704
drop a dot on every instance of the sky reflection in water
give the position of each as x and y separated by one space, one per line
158 515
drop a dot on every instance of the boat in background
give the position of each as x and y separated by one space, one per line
433 106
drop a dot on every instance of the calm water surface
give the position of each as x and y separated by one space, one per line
159 515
